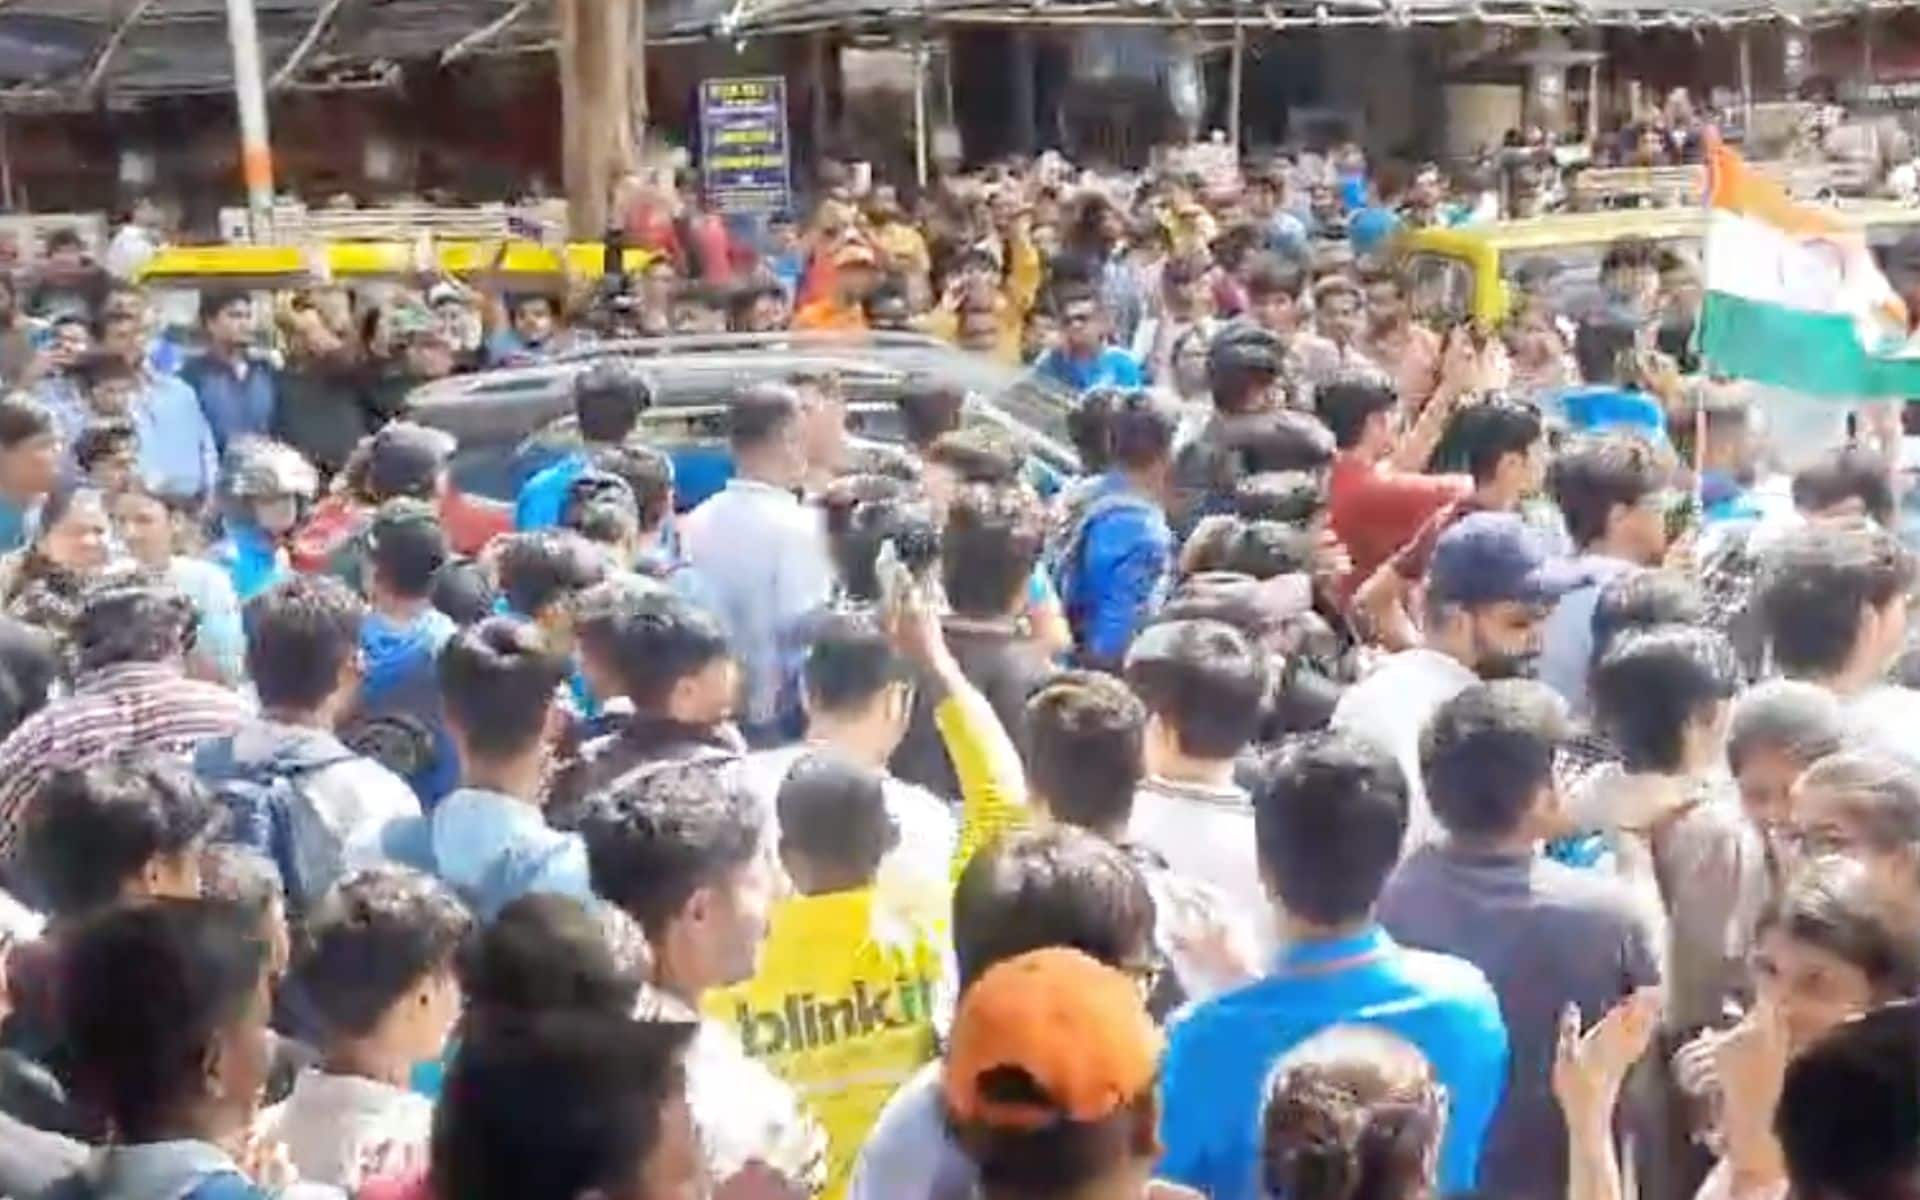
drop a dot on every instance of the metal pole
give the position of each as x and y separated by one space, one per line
256 152
1593 103
1746 79
1236 77
920 108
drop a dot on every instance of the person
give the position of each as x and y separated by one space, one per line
989 552
70 283
1086 735
130 692
106 455
397 717
146 525
1489 585
569 1105
542 576
490 839
138 239
288 770
176 1074
178 453
548 953
670 662
31 663
608 400
681 852
1402 346
1505 449
1545 934
1205 688
402 458
236 389
1374 507
875 995
1329 819
1057 886
1778 730
1354 1111
1845 1118
29 468
376 971
1049 1117
1610 489
823 427
763 555
46 583
1833 602
1084 360
855 274
265 488
1678 835
1114 568
127 828
1826 954
1184 308
1246 367
1865 805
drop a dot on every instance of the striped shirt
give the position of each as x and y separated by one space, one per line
128 706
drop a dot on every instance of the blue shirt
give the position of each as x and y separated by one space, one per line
17 524
1112 367
544 497
236 404
251 558
178 454
1219 1057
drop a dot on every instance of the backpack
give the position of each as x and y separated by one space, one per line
269 811
1069 568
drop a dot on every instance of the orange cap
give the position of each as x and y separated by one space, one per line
1077 1028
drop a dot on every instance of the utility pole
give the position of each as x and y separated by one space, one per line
597 38
249 90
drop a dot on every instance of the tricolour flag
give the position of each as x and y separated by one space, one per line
1794 297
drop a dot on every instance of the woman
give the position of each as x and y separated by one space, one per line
1826 953
1351 1112
1865 806
44 583
145 523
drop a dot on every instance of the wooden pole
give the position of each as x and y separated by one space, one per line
596 107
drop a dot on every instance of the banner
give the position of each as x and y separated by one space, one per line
744 157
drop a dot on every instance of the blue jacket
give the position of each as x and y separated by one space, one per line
1112 367
1113 571
402 683
543 497
251 558
235 405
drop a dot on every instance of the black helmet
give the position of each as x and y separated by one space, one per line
1243 348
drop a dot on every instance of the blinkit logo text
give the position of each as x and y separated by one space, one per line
806 1022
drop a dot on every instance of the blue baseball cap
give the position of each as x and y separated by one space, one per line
1487 558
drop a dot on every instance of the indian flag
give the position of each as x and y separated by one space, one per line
1794 297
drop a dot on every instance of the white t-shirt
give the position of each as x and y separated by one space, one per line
1205 833
1391 707
1886 718
929 838
341 1130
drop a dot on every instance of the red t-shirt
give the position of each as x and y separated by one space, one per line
1410 561
1375 510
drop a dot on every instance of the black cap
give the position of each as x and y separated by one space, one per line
1243 347
406 459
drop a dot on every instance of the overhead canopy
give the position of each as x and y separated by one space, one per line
87 53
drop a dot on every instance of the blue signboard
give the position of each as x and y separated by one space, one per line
743 144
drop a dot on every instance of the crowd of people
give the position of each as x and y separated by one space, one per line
1405 761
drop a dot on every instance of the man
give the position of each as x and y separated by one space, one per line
405 460
608 399
1246 377
1184 307
130 692
1084 360
1339 319
573 1104
236 390
533 333
1401 346
136 241
904 247
856 272
1329 820
303 656
1205 689
763 555
1054 887
1093 1094
992 540
29 467
1611 490
823 426
1834 603
178 453
1114 570
1489 588
670 662
398 708
1505 448
1087 734
17 330
1374 507
1846 1121
682 852
490 839
1548 936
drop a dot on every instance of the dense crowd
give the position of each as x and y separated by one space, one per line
1406 760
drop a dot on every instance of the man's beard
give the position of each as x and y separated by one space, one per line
1497 664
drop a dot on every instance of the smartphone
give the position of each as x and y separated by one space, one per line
894 579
